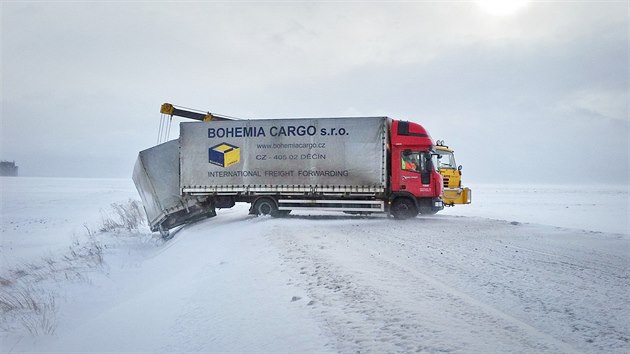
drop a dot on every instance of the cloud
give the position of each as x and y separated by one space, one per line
601 103
82 82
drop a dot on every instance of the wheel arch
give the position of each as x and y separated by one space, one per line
408 195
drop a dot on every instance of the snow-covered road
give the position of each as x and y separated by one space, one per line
459 284
329 282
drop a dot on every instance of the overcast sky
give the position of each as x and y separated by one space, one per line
536 93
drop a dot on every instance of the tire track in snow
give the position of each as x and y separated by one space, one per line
353 313
374 303
535 339
575 288
569 283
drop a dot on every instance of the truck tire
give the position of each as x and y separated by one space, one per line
403 208
265 206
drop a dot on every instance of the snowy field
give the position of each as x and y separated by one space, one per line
522 269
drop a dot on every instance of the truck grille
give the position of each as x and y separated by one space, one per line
445 179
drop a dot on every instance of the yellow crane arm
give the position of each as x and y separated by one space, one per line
172 110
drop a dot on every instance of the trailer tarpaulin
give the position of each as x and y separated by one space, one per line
323 154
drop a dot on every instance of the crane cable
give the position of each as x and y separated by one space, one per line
160 129
168 128
164 130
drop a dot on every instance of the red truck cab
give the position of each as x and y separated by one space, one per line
416 185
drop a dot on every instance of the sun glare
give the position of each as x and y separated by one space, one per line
502 7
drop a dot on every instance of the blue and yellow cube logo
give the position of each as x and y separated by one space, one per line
224 155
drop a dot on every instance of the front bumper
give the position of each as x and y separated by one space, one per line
452 196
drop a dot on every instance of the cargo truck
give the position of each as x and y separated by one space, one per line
356 165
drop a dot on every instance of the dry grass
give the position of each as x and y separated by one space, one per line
24 303
128 217
27 299
29 308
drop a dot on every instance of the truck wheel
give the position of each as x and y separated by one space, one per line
404 208
265 206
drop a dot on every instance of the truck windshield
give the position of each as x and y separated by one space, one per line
446 159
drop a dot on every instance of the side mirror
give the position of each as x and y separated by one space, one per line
459 168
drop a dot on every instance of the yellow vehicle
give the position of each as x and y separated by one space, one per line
454 193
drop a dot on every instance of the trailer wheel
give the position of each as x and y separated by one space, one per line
265 206
403 208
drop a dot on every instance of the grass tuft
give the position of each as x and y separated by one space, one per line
27 302
128 216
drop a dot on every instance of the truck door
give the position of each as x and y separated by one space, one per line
415 175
